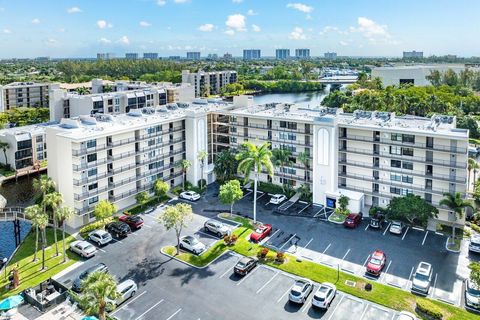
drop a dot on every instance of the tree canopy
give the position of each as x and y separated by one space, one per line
411 208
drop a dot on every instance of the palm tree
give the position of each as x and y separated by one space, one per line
304 159
457 204
202 156
40 221
31 212
225 165
54 200
45 185
472 165
281 159
63 214
98 289
253 158
185 165
4 146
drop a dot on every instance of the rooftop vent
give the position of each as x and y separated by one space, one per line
104 117
135 113
148 110
360 114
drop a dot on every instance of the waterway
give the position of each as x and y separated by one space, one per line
304 99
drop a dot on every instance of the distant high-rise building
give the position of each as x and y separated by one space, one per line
42 59
105 56
413 54
193 55
227 56
282 54
251 54
131 56
212 56
302 53
330 55
174 57
150 55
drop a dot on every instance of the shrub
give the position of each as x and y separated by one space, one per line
374 211
428 308
85 230
262 253
368 287
475 227
230 239
280 257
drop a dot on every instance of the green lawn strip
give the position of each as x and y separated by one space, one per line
30 274
335 217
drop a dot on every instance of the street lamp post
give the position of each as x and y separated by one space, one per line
5 266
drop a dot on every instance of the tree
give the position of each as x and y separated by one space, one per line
456 204
98 289
472 165
40 221
161 188
185 165
471 124
475 273
230 193
342 201
45 185
411 208
104 209
253 158
4 146
281 159
225 165
31 213
176 218
202 157
54 200
63 214
142 198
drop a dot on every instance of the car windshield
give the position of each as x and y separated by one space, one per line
193 241
260 229
473 291
376 261
421 277
349 220
295 293
88 247
396 224
241 264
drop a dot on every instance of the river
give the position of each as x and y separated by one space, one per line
305 99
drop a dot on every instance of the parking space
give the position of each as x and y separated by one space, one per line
346 307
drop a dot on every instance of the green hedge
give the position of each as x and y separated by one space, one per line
152 202
428 308
85 230
475 227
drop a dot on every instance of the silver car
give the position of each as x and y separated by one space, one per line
396 227
324 296
192 244
216 227
83 248
474 245
126 290
100 237
422 278
300 291
472 295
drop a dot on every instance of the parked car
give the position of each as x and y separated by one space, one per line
405 315
192 244
277 198
396 227
133 221
83 248
100 237
472 295
126 290
300 291
353 220
474 245
261 232
376 263
77 283
422 278
324 295
245 265
216 227
190 195
377 221
118 229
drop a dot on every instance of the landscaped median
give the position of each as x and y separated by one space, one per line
381 294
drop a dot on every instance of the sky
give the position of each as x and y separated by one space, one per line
81 28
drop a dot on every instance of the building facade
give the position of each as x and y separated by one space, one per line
195 55
302 53
282 54
252 54
330 55
413 54
150 55
105 56
131 56
25 94
411 74
208 83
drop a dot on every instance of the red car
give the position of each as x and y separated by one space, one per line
261 232
353 220
134 221
376 263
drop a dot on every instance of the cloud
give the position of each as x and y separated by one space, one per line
229 32
104 40
237 1
102 24
252 13
297 34
74 10
370 28
124 40
236 22
300 7
180 1
256 28
6 31
161 3
330 29
343 43
36 21
207 27
144 24
51 42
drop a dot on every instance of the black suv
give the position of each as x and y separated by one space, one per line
77 283
118 229
377 221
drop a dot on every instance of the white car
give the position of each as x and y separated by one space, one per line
190 195
300 291
396 227
474 245
422 278
100 237
472 295
126 290
277 198
83 248
405 315
324 296
192 244
216 227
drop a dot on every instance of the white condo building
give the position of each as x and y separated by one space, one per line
208 83
412 74
25 94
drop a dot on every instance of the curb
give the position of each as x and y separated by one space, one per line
335 222
450 250
67 270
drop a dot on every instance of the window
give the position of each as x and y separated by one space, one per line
288 147
288 170
152 154
395 177
93 200
395 163
233 129
91 143
39 138
92 157
395 190
288 136
407 165
288 125
396 137
404 192
93 186
395 150
407 179
92 172
150 130
151 142
407 152
233 139
408 138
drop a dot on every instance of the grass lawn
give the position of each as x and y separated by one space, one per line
30 274
382 294
336 218
455 245
6 172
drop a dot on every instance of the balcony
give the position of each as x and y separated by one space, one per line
266 138
272 128
91 193
88 165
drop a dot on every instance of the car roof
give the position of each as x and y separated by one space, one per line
302 282
125 284
396 222
424 268
475 238
378 253
100 232
245 259
188 237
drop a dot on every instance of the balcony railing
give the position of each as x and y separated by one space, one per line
272 128
266 138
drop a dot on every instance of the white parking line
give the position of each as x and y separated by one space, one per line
208 235
261 196
284 294
283 245
336 307
266 283
425 238
126 304
248 193
227 271
363 313
304 247
346 253
368 257
386 271
248 275
409 277
366 228
308 302
117 241
387 228
304 208
405 233
149 309
173 315
434 285
100 249
326 248
272 234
